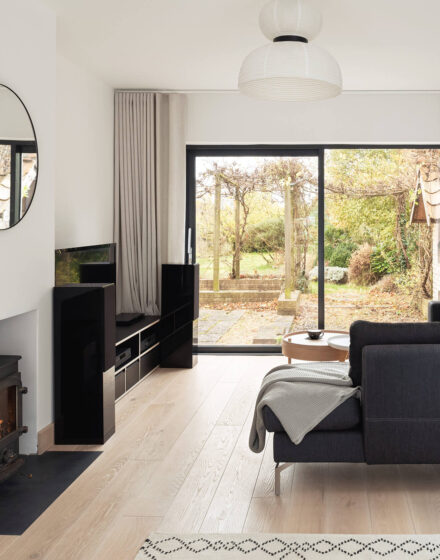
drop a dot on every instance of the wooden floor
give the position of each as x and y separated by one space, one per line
179 462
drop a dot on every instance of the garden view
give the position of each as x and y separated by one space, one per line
257 242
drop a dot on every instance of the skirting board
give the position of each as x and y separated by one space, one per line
46 438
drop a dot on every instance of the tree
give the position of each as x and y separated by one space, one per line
372 189
217 224
295 181
237 183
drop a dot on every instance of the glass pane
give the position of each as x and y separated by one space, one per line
28 180
257 230
378 260
5 185
8 418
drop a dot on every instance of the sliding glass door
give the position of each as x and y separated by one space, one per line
255 223
379 225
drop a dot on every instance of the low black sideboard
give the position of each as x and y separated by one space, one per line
137 353
97 362
167 340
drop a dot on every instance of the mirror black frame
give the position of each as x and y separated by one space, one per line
23 144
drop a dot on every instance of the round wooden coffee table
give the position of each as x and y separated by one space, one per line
298 346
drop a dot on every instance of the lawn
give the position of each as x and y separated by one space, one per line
338 288
251 264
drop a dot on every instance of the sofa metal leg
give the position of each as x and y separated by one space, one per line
278 470
277 479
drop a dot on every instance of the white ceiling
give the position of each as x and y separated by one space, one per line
200 44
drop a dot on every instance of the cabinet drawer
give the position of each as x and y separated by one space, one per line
119 384
132 375
150 361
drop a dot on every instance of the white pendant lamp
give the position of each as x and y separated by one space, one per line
290 68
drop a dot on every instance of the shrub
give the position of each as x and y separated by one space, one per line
359 270
264 237
341 254
338 247
386 285
384 260
302 283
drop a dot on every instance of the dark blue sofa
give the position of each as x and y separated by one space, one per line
397 420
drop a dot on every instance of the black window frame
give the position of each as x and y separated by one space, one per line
18 148
193 151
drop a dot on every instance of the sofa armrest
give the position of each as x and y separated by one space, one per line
401 403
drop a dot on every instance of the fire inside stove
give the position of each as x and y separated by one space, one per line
8 411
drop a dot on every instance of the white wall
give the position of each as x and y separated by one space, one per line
228 118
84 167
26 250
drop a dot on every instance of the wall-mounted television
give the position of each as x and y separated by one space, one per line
90 264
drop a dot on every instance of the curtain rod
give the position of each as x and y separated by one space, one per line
236 91
147 90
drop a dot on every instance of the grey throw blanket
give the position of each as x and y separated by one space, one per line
301 396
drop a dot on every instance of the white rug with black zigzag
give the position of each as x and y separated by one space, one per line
290 547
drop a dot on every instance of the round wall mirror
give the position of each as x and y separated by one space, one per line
18 159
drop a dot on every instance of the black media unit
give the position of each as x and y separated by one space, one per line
84 347
180 311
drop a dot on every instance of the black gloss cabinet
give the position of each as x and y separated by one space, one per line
180 311
84 347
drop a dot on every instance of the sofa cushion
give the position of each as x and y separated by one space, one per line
365 333
340 446
345 417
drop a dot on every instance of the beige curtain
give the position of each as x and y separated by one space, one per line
149 143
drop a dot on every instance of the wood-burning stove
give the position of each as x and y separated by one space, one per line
11 428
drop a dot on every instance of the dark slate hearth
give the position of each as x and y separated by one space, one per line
31 490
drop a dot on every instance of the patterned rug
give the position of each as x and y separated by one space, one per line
290 547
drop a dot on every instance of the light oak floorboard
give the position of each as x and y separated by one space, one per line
163 430
241 402
188 510
179 462
307 505
124 534
265 515
422 489
389 508
164 484
346 501
228 509
6 542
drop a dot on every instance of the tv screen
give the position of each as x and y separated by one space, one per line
72 266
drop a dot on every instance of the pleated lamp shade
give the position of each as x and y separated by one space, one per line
290 68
